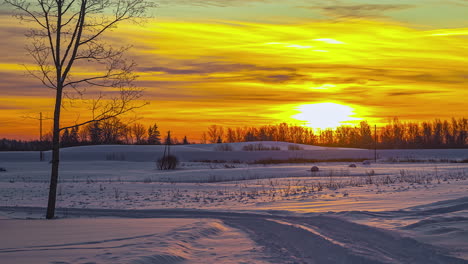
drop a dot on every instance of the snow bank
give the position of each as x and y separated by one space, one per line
205 152
195 152
135 241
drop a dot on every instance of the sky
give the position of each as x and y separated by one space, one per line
247 63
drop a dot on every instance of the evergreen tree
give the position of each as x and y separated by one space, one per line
65 140
95 133
154 136
74 139
185 142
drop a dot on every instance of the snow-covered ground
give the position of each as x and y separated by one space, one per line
384 212
214 152
104 240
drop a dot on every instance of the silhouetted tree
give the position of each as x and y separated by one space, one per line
83 133
95 133
139 131
366 135
230 135
74 137
203 138
65 140
112 131
215 132
67 33
154 136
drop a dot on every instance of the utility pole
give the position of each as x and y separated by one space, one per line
168 142
375 143
165 163
41 154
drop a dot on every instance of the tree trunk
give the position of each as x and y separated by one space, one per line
55 156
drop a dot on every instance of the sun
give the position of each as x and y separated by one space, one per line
326 115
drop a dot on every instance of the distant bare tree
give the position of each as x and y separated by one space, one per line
215 132
66 35
139 132
127 134
112 130
83 134
203 138
230 135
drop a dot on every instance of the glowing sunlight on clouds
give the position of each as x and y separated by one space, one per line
329 41
325 115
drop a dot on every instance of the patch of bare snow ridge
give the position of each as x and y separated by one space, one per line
443 224
129 241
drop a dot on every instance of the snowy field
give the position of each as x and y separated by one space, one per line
227 207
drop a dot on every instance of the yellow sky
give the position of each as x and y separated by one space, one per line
316 71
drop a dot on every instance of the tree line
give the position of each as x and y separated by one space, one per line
395 134
109 132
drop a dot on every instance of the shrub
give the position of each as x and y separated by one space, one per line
295 147
168 162
223 147
300 160
259 147
2 169
147 180
116 156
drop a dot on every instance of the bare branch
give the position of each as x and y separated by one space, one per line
124 10
72 40
80 24
23 6
48 28
88 80
110 109
68 7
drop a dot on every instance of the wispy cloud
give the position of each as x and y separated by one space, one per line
208 3
342 10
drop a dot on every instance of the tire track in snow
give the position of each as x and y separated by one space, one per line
291 243
379 245
323 239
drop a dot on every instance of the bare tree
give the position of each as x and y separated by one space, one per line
139 132
127 134
67 35
203 138
215 132
83 134
112 130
